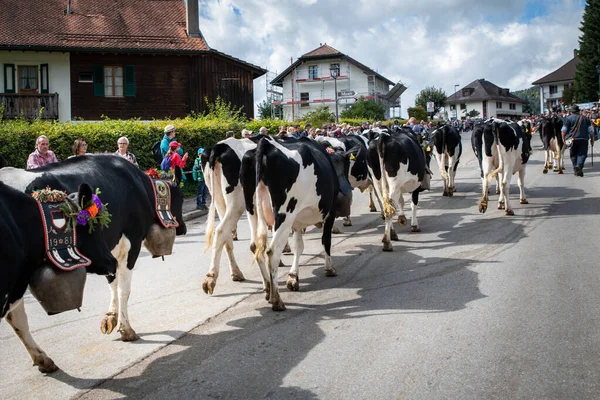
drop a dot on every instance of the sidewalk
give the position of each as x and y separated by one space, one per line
189 209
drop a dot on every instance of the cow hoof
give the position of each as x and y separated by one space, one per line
267 290
252 247
129 335
293 283
287 248
234 237
509 212
45 365
330 272
524 201
347 222
415 228
497 191
319 225
278 306
372 209
209 285
335 230
561 172
387 246
238 276
402 220
545 171
482 208
450 193
109 323
393 235
445 194
501 205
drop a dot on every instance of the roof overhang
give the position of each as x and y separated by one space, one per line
396 92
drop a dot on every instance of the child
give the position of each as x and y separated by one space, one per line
198 175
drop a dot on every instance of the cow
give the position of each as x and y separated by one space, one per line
553 144
221 165
135 222
291 185
502 149
447 149
397 165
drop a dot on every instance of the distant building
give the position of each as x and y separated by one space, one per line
553 85
486 98
307 84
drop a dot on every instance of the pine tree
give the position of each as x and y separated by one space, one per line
586 77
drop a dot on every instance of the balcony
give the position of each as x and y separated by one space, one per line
28 106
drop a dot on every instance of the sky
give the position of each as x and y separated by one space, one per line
439 43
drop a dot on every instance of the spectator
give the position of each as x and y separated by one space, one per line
306 131
579 129
79 147
319 132
263 131
42 154
312 133
123 145
198 175
167 140
230 134
281 131
291 131
246 134
175 158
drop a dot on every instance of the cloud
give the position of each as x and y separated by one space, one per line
427 43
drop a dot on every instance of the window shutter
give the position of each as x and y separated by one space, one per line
44 85
130 80
98 80
9 78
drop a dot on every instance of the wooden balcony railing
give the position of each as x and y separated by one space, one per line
29 105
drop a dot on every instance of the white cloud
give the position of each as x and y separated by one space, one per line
426 43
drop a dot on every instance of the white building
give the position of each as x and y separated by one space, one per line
308 84
489 100
553 85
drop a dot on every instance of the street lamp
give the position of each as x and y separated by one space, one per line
335 72
455 104
598 71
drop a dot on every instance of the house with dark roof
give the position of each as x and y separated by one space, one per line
553 85
308 83
489 100
71 59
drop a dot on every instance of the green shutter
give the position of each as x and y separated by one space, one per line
44 85
9 78
98 80
130 80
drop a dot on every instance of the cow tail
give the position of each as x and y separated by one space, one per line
388 207
500 168
262 203
216 195
443 172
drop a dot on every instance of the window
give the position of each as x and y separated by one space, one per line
9 78
512 106
338 67
86 77
304 97
463 106
553 89
452 106
28 79
313 72
44 86
498 104
113 81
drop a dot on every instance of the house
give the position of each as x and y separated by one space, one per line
554 84
487 99
72 59
309 83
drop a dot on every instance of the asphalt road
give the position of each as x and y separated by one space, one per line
473 307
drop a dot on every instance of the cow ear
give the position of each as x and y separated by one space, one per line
178 175
85 194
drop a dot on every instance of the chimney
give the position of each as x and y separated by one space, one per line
69 11
575 53
193 23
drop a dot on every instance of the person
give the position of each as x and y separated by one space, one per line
246 134
79 147
263 131
168 139
42 154
175 158
198 175
123 144
579 128
282 131
231 134
312 133
306 131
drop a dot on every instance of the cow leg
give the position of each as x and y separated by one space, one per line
451 174
17 319
347 221
326 241
546 157
505 191
501 203
401 218
109 322
293 281
521 182
278 242
483 203
413 219
371 203
234 235
387 245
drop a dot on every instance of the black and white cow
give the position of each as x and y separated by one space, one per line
130 195
447 149
502 149
554 147
290 185
397 165
221 165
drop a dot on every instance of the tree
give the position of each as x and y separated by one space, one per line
365 109
430 93
586 76
568 95
418 112
319 117
265 111
532 99
473 113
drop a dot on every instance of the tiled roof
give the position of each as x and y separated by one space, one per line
325 52
482 90
564 73
122 25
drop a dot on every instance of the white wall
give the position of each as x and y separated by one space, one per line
58 74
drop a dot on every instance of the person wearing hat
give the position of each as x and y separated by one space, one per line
578 128
198 175
167 139
175 158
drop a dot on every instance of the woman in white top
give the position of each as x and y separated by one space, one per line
123 144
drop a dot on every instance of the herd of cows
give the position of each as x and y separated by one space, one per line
284 186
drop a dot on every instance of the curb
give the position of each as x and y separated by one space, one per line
190 215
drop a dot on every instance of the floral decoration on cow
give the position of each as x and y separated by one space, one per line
48 195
